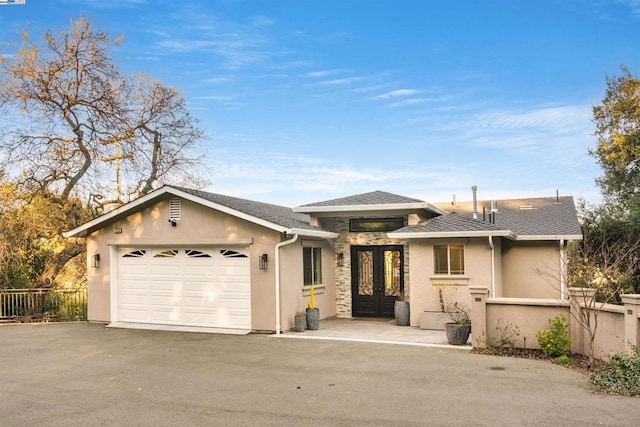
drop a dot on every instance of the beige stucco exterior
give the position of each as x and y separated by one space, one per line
531 269
506 267
516 272
202 226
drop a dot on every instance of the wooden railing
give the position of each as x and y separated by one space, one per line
37 305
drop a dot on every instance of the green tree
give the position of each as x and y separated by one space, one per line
617 121
616 222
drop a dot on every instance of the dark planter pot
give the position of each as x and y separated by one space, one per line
300 323
401 313
313 318
457 334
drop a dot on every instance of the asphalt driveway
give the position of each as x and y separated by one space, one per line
85 374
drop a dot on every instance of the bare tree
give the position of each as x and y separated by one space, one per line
81 133
81 122
598 275
597 271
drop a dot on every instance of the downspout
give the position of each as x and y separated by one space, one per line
493 267
563 284
277 261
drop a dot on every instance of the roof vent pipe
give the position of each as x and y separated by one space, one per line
474 189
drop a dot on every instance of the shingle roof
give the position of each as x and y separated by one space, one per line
276 217
372 198
451 222
541 216
275 214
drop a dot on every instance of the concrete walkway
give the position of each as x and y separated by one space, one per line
376 331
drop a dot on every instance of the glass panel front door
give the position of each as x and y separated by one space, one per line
376 279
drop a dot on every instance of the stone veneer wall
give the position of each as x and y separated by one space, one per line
343 274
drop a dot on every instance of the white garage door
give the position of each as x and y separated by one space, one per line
207 287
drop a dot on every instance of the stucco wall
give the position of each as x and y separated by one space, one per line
294 295
425 284
617 330
610 333
198 225
527 316
531 269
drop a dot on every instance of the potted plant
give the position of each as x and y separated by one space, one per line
459 328
313 313
300 321
401 310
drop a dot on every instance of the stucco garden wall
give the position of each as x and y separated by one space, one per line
618 325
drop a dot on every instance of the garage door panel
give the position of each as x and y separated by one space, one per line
198 274
140 300
205 287
169 316
167 284
221 319
134 315
158 270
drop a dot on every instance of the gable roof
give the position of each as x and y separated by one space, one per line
542 218
373 201
274 217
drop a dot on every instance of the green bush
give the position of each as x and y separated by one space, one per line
562 360
555 341
621 375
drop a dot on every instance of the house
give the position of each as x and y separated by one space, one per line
178 257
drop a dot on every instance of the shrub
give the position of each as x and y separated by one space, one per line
621 375
555 341
562 360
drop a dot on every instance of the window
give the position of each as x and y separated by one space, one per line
375 224
170 253
448 259
312 265
135 254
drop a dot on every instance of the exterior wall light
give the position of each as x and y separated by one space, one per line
340 259
95 261
263 261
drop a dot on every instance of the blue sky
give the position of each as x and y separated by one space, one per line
307 100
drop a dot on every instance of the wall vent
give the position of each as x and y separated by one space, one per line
174 209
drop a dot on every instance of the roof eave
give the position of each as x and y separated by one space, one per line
550 237
369 208
452 234
82 230
313 233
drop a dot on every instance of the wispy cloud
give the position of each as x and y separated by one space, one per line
218 79
324 73
410 101
339 82
396 93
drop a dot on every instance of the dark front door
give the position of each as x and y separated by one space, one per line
377 277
